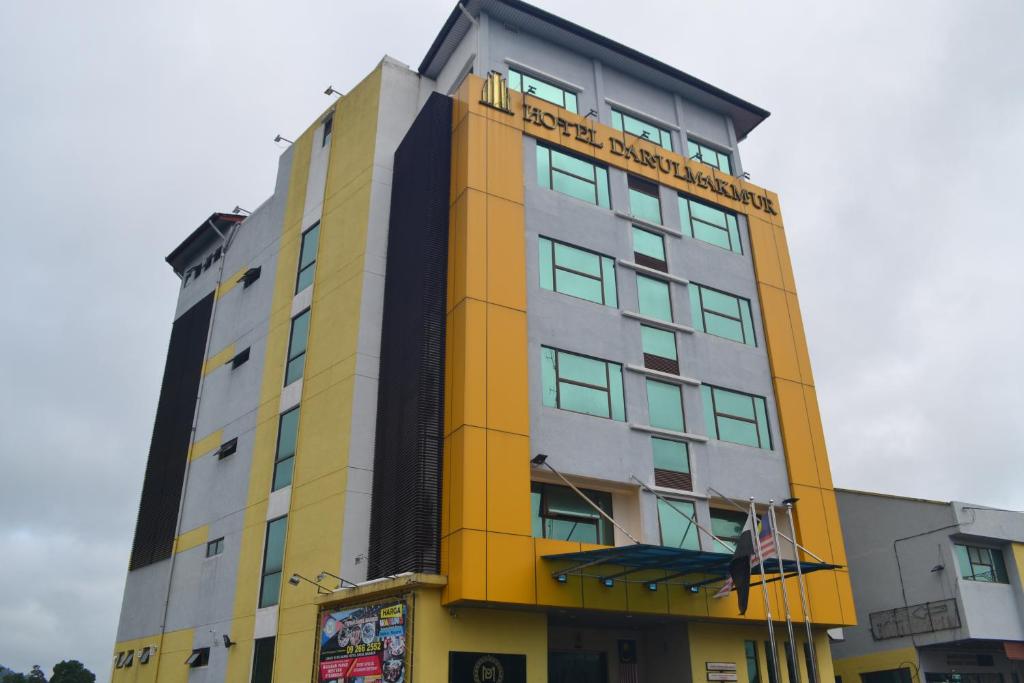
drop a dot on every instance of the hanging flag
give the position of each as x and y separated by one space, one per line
744 558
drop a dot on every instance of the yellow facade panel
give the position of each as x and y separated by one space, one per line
549 591
468 565
174 649
796 433
817 437
799 340
508 486
507 391
447 454
473 164
449 360
469 478
764 252
639 598
192 538
809 514
510 575
293 652
597 596
846 602
504 162
506 254
835 529
469 371
778 333
785 264
218 359
469 278
230 282
206 444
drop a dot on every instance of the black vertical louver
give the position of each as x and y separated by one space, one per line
168 451
405 518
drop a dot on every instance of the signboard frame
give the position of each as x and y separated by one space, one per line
405 600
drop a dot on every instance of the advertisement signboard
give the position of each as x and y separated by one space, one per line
364 644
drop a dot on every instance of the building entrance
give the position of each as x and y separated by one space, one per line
577 667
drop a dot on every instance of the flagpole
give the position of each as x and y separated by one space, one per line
813 663
791 647
764 591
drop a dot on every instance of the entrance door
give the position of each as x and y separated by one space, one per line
577 667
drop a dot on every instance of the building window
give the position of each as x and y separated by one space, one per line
653 299
572 176
727 525
887 676
649 249
144 655
287 437
582 384
577 272
708 155
659 349
671 464
665 406
980 564
199 657
736 417
215 547
643 200
721 314
273 562
710 224
227 448
560 513
307 257
240 358
250 276
542 89
641 129
263 660
771 658
297 348
676 517
128 658
809 665
753 669
328 128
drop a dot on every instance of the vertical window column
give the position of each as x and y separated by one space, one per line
644 202
284 459
263 660
273 562
297 347
307 257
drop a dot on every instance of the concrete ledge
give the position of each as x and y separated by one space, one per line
377 588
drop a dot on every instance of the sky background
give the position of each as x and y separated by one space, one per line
895 142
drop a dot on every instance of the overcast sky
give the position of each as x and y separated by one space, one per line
895 142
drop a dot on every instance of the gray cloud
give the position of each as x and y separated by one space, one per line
893 142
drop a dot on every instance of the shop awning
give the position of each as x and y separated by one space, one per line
692 568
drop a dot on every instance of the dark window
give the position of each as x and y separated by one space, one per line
887 676
307 257
287 439
559 512
199 657
772 662
710 224
582 384
328 127
736 417
119 661
240 358
709 155
577 272
572 176
721 314
753 670
250 276
297 348
144 655
787 647
981 564
263 660
811 664
215 547
227 448
542 89
727 525
273 562
643 200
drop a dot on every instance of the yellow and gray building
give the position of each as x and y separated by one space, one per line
480 391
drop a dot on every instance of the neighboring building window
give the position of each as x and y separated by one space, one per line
542 89
736 417
727 525
307 257
671 464
709 156
328 127
575 177
560 513
710 224
297 347
199 657
643 200
721 314
653 298
676 519
215 547
287 437
577 272
273 562
887 676
659 349
649 249
981 564
753 669
582 384
665 406
263 660
641 129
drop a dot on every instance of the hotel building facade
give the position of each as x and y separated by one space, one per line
481 391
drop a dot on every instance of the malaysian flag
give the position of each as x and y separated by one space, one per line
628 671
744 559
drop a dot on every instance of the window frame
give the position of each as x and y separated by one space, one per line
729 542
263 565
663 133
312 264
647 188
690 528
599 180
750 654
603 260
698 306
328 129
699 156
997 563
257 650
668 290
516 77
677 390
686 216
288 459
645 259
603 529
710 403
216 545
290 358
199 658
607 389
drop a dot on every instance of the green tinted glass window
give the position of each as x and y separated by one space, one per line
307 258
678 524
736 417
709 156
753 669
273 562
571 176
653 298
641 129
727 525
542 89
658 342
665 406
670 455
297 347
577 272
643 200
721 314
648 244
560 513
582 384
287 437
710 224
981 564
